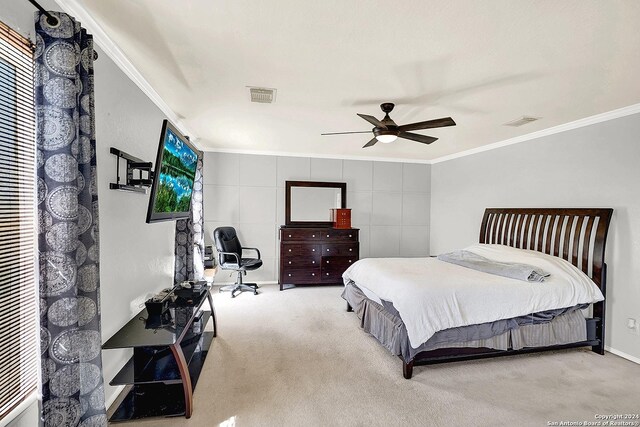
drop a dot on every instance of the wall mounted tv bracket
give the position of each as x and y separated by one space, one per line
135 166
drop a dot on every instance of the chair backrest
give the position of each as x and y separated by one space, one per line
226 240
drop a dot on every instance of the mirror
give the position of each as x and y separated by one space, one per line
308 203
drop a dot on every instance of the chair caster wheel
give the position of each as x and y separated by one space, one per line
255 292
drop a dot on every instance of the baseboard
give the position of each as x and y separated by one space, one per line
622 354
260 282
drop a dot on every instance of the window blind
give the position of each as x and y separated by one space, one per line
19 359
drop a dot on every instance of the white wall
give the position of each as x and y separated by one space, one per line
593 166
136 258
390 202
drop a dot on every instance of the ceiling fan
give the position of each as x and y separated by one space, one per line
386 130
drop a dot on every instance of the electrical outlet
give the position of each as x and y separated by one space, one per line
633 326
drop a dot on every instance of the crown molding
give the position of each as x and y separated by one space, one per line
587 121
109 47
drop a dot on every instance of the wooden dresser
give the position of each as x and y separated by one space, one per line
316 256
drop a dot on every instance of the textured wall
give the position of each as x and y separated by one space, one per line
593 166
390 202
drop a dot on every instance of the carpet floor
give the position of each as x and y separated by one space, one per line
298 358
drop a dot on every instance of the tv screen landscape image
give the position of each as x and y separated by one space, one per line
174 176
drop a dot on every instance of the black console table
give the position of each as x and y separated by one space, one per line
168 354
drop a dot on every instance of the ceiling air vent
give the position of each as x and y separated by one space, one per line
522 121
263 95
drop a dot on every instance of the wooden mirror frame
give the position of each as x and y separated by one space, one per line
319 184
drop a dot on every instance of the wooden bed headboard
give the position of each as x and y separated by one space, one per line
577 235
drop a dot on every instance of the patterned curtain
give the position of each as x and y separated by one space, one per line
72 384
189 248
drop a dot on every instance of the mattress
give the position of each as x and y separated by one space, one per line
541 329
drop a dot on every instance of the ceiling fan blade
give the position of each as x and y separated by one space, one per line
370 143
372 120
418 138
345 133
429 124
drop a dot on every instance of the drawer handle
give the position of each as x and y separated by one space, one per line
327 274
313 262
289 235
349 235
349 261
313 250
350 249
313 274
289 274
289 250
327 262
289 262
313 235
327 235
327 250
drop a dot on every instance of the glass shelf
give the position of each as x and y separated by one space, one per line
144 332
163 346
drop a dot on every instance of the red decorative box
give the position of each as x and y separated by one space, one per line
341 218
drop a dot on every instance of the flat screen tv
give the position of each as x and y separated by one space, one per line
173 178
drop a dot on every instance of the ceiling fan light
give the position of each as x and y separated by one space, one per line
386 139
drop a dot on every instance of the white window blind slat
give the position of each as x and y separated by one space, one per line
15 134
19 337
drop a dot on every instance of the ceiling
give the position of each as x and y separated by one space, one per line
482 63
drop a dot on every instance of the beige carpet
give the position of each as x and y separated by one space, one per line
297 358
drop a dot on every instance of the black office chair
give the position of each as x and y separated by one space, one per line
230 258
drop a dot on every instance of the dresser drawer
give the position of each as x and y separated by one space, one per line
336 235
338 249
301 261
332 276
299 250
309 275
337 263
293 234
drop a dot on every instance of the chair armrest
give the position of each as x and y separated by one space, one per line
235 255
253 249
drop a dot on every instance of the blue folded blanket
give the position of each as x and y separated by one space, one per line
528 273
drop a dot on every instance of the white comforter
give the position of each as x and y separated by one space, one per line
432 295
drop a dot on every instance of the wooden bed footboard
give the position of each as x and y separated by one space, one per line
445 355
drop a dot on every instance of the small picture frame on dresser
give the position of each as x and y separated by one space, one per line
341 218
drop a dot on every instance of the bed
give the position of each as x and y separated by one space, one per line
427 311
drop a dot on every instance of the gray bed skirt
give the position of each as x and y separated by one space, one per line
383 322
